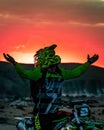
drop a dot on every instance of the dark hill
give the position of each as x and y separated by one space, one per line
90 83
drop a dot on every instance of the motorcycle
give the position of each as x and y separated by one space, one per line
79 119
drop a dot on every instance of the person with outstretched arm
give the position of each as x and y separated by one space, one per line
48 76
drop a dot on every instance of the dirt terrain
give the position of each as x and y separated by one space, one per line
9 112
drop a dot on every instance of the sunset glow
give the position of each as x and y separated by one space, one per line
76 27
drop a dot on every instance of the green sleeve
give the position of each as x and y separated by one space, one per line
34 74
76 72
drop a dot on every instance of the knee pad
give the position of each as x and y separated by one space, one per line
21 125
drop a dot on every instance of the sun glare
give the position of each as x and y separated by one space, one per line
23 57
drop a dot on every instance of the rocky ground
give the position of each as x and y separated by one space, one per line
18 108
10 110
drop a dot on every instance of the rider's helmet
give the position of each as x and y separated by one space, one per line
83 111
46 57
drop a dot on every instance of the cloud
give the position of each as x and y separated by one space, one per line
19 47
88 11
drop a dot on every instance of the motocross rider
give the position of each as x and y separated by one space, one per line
47 76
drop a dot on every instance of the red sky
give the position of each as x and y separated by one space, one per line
76 26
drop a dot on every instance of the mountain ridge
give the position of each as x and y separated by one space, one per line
90 83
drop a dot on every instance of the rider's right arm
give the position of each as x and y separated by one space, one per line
34 74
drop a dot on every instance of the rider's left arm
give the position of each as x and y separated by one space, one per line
75 72
81 69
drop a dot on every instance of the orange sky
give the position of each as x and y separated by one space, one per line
76 26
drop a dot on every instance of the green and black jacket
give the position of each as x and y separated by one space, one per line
50 89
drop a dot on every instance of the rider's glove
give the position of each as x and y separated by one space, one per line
92 59
9 58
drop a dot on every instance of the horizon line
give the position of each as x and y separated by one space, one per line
60 63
